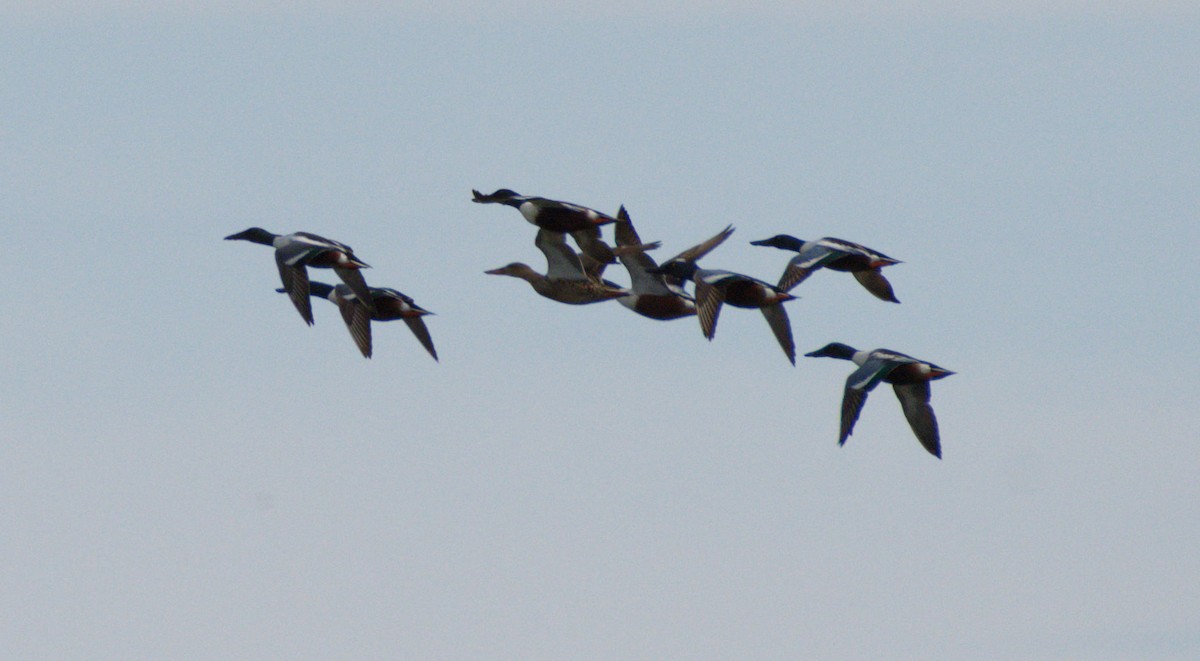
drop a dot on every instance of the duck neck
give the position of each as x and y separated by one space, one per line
786 242
255 235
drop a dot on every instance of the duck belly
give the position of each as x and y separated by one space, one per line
746 294
849 263
559 220
663 308
329 259
910 373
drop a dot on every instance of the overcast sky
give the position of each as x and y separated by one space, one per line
188 471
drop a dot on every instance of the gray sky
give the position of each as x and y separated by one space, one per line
187 471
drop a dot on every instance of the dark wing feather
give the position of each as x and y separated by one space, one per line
417 326
852 403
858 384
777 319
354 279
875 283
295 281
708 306
357 318
624 232
593 246
701 249
914 399
793 274
810 258
592 268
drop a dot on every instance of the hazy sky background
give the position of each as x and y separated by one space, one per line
187 471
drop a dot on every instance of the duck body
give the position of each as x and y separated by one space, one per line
741 291
837 255
663 307
581 222
296 251
910 378
563 290
388 305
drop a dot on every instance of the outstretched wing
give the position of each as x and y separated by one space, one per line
777 319
295 281
562 262
354 279
875 283
811 257
852 403
417 326
701 249
709 298
860 382
357 318
914 399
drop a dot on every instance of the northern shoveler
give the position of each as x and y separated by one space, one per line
909 377
580 222
294 252
836 254
653 294
714 287
566 280
389 306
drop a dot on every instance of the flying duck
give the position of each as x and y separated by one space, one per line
294 252
566 279
714 287
909 378
580 222
835 254
389 306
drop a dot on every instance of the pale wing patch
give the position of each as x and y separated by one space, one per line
562 262
869 374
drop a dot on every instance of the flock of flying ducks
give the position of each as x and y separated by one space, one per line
655 291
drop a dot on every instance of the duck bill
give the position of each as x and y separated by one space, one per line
481 198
